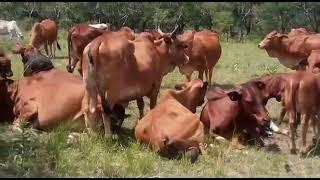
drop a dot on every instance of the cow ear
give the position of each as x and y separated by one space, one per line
234 95
261 85
180 86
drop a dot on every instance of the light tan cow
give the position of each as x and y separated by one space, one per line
172 125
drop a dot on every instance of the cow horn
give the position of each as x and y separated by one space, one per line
174 32
159 30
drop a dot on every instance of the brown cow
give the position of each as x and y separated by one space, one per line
314 61
5 65
204 51
298 31
234 112
297 91
37 99
172 125
121 70
78 37
45 32
291 51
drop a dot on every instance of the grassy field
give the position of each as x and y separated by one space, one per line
51 155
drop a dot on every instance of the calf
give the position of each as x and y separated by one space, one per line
172 125
235 112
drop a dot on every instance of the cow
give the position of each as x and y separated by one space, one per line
10 28
33 61
5 66
37 99
45 32
298 31
204 51
102 26
297 100
127 32
172 125
121 70
314 61
291 51
78 37
236 113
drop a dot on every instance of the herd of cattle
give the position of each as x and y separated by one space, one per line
117 67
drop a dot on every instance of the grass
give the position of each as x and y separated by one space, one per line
51 155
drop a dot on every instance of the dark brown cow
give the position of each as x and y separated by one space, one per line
121 70
45 32
33 61
78 37
204 51
5 65
172 125
291 51
231 113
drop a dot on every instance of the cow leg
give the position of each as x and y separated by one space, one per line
304 127
51 53
54 49
153 97
293 148
46 48
210 75
140 104
200 76
282 114
188 77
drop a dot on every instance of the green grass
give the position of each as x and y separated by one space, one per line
50 155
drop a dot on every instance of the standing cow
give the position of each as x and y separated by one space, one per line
204 51
45 33
10 28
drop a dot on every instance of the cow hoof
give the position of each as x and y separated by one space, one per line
114 136
192 154
293 151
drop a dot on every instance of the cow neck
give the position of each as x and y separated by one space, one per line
165 59
274 87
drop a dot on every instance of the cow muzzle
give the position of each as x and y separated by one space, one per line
260 46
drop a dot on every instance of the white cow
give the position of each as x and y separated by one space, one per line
10 28
101 26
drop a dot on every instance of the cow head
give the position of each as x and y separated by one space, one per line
251 102
175 49
194 93
5 66
272 40
22 50
17 30
187 39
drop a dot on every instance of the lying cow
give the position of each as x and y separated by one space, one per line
291 51
120 70
10 28
33 61
235 113
5 66
204 51
172 125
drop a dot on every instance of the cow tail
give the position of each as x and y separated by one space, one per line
58 45
69 45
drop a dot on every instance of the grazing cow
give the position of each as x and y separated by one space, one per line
33 61
297 91
291 51
102 26
5 66
45 99
10 28
78 37
45 32
235 112
121 70
204 51
172 125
